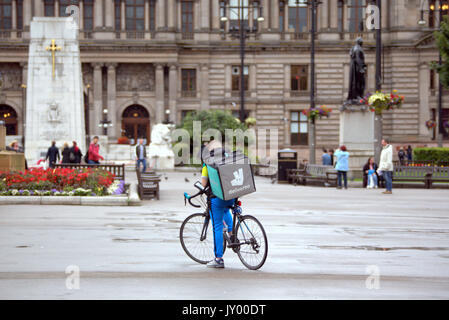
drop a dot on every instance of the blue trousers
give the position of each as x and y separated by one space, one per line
144 163
388 176
220 212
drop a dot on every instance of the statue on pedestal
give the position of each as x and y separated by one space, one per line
357 74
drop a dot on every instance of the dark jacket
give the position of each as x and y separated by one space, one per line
53 154
365 175
77 153
138 151
66 155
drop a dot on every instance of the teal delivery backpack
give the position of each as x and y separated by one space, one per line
230 174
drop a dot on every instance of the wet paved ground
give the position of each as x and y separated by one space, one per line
323 244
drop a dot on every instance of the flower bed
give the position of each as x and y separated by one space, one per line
59 182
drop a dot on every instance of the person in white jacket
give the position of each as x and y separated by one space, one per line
386 165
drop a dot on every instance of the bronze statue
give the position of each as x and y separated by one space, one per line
357 73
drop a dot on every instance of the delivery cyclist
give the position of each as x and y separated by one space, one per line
219 212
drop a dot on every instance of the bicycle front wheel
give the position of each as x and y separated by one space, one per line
197 238
253 248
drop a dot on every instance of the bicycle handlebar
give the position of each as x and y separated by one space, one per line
189 198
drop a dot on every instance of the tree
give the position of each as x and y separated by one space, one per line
442 41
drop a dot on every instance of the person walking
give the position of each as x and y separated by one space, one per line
141 153
75 153
94 156
326 158
342 166
65 153
386 165
401 156
52 155
409 153
370 178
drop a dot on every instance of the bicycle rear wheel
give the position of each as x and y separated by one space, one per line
192 229
253 249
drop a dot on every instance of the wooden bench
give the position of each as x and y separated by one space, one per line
439 174
413 174
148 185
117 169
314 172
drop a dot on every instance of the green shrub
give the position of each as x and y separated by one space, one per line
431 154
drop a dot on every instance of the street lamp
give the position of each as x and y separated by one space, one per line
241 10
105 123
422 22
378 121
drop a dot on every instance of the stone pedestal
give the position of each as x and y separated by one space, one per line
55 106
2 138
12 161
357 134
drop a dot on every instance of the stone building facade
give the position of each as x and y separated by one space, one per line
148 61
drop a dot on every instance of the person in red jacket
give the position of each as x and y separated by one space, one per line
94 152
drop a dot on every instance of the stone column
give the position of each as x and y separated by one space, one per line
123 15
98 14
287 83
228 81
424 89
171 14
205 14
173 91
159 93
160 14
324 15
274 14
266 14
39 8
253 80
112 110
26 14
215 14
196 16
334 14
97 112
56 8
147 15
204 90
109 12
81 16
14 15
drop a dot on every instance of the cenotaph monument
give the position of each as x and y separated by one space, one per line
55 106
356 120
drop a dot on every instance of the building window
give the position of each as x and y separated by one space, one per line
152 15
236 78
433 11
238 10
63 4
187 19
6 14
9 116
432 79
49 8
299 129
299 78
355 15
135 15
118 15
281 16
188 85
341 16
88 14
19 6
298 16
222 14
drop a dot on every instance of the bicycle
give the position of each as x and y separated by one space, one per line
249 237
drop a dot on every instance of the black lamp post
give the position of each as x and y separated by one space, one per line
241 31
105 123
378 121
422 22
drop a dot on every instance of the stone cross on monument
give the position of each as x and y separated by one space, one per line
53 48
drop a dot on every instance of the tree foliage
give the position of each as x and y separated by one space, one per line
442 41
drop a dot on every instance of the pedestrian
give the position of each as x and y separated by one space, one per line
331 154
52 155
326 158
94 156
65 153
342 166
386 165
75 153
409 153
401 156
141 153
370 178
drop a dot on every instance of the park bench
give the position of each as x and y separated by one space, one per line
148 185
118 170
413 174
313 172
439 174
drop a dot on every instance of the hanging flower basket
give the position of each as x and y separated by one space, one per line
379 101
319 112
446 125
430 124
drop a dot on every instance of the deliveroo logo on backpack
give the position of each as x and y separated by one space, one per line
238 178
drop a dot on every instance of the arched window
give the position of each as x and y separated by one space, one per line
9 116
136 123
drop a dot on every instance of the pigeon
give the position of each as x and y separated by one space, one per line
186 180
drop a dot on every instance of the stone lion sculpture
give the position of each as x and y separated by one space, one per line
160 152
161 135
